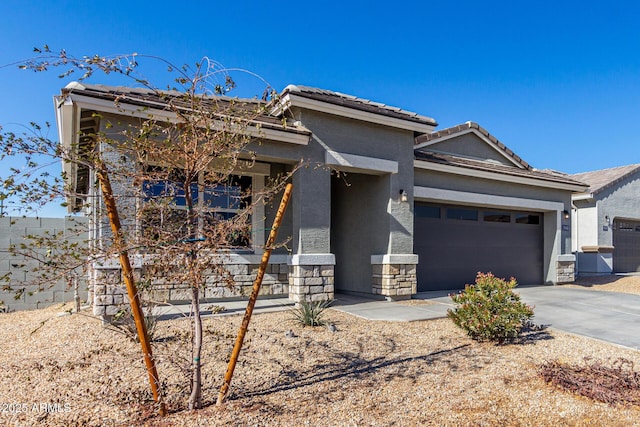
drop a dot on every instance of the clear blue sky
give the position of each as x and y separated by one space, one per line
556 81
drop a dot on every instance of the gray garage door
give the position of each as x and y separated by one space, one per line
626 243
455 242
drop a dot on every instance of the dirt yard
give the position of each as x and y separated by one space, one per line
65 370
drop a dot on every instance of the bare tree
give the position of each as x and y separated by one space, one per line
184 201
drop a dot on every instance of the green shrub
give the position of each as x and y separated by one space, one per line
310 313
489 310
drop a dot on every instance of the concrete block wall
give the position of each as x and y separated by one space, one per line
14 231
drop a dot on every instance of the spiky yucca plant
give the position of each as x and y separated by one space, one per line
311 313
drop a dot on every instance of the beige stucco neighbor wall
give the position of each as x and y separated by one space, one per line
14 231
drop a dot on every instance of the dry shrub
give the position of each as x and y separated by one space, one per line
615 384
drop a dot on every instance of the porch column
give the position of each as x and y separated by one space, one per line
311 267
394 275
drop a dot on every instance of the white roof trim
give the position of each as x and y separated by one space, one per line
106 106
312 259
496 176
479 135
582 196
360 164
477 199
291 99
394 259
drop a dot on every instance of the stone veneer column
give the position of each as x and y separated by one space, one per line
394 275
107 289
566 268
311 277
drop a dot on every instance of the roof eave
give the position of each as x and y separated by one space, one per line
497 176
290 99
257 129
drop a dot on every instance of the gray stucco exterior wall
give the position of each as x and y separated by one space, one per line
620 201
471 146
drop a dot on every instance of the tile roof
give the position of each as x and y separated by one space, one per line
161 100
488 166
602 179
472 126
354 102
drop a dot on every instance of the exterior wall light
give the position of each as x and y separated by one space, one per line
607 220
403 196
566 214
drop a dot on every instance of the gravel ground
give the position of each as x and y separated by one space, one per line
70 370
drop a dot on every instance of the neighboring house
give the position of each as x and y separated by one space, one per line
422 210
606 221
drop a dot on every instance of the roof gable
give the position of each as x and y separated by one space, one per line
469 140
340 104
606 178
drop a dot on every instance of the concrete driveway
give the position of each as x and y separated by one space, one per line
607 316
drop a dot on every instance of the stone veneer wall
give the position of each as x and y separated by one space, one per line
396 281
311 283
311 277
566 269
108 291
394 275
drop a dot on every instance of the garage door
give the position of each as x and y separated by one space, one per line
455 242
626 244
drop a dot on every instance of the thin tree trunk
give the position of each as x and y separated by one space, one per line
195 399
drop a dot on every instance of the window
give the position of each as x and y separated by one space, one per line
490 216
525 218
422 211
165 205
462 214
625 226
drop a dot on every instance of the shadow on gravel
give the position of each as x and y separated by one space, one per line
531 334
348 365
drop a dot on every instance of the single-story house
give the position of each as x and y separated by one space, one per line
413 210
606 221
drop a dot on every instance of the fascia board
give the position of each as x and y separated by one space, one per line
290 100
495 176
477 199
280 136
582 196
106 106
360 164
479 135
67 117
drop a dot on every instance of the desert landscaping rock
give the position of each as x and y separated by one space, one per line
71 370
